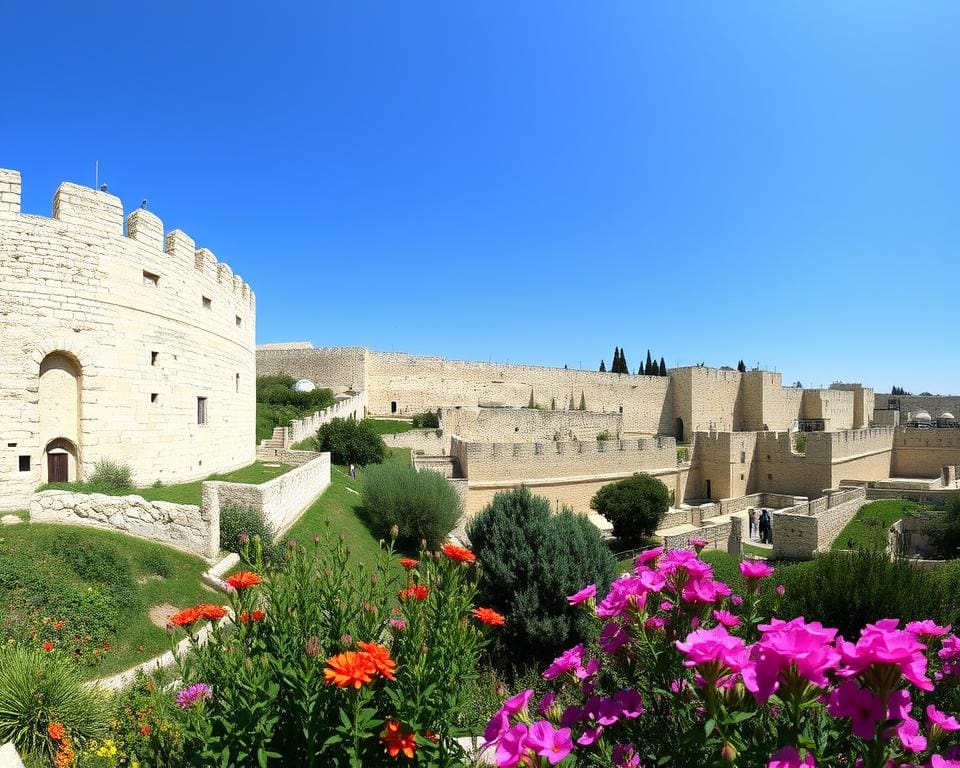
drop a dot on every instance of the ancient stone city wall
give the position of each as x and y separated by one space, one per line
300 429
342 369
430 442
801 531
924 452
109 337
724 535
496 425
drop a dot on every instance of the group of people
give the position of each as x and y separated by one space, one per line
760 526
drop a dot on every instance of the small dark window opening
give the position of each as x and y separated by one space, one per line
24 463
743 457
237 382
153 357
11 445
207 303
741 475
239 321
154 396
150 279
201 410
769 476
393 406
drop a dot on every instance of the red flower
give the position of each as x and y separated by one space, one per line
459 554
349 669
56 731
415 592
47 646
380 656
211 612
409 563
59 624
145 730
397 738
243 580
489 616
186 618
246 616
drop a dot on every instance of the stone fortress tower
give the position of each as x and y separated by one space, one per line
117 342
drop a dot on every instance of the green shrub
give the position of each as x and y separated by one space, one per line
111 476
635 506
423 505
278 390
532 559
800 442
351 442
605 435
156 562
426 420
944 529
235 521
100 563
38 688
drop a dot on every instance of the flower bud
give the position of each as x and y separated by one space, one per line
312 647
729 752
394 531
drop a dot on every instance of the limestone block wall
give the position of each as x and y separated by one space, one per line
707 399
300 429
286 456
110 334
184 526
912 404
863 403
861 454
282 499
408 384
724 535
431 442
924 452
727 460
909 537
834 406
342 369
801 531
495 425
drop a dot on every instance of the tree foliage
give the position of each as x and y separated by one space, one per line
663 367
351 442
944 532
532 559
635 506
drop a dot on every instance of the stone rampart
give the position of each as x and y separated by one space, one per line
430 442
188 527
285 456
532 425
723 534
118 342
924 452
801 531
342 369
300 429
282 499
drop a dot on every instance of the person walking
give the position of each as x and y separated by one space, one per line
766 536
752 514
353 471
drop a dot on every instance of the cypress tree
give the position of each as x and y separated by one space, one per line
531 403
648 368
573 405
615 366
553 403
742 367
603 367
663 367
623 363
583 401
656 368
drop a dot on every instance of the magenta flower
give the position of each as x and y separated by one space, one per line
736 600
703 590
938 761
625 756
499 724
807 647
927 628
909 733
789 757
549 743
567 661
883 644
398 624
583 595
193 694
517 704
648 554
698 544
630 703
942 720
727 619
709 646
613 637
511 746
546 702
602 710
781 590
590 735
863 708
755 569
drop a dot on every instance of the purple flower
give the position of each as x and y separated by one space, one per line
625 756
630 703
549 743
567 661
512 745
583 595
192 694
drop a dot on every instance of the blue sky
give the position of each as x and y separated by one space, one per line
532 181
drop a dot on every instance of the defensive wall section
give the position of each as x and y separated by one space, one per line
925 452
117 342
300 429
913 404
801 531
342 369
501 425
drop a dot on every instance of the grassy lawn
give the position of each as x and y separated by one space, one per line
755 551
868 530
184 493
97 582
389 426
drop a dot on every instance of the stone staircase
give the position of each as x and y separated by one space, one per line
277 440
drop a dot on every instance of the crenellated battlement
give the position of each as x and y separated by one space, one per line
87 211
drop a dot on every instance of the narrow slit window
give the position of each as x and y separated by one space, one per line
239 321
154 397
153 357
207 303
237 382
24 463
201 410
150 279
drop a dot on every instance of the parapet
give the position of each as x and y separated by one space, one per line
95 210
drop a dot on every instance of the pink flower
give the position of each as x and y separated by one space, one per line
583 595
863 708
703 590
546 702
698 544
648 554
727 619
511 746
568 661
909 733
588 670
883 644
602 710
942 720
517 704
398 624
807 647
789 757
755 569
625 756
938 761
781 590
590 735
709 646
736 600
499 724
630 703
927 628
549 743
613 637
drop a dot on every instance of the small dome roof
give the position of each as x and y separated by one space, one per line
922 416
947 416
304 385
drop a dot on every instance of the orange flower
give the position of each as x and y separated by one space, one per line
489 616
397 738
415 592
246 616
59 624
380 656
145 730
409 563
243 580
186 618
459 554
47 646
56 731
349 669
211 612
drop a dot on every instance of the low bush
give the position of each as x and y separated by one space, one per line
235 522
41 696
635 506
422 505
532 559
944 530
157 563
427 419
605 435
351 442
99 563
111 476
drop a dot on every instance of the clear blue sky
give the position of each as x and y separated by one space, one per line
532 181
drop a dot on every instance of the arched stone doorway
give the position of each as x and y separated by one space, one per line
679 430
58 403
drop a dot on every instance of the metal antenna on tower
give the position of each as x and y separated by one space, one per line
96 175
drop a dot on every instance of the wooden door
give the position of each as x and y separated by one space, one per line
57 468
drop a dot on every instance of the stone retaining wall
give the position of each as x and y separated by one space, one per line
429 441
801 531
184 526
724 535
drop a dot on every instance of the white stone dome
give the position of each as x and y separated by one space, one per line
922 416
947 416
304 385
